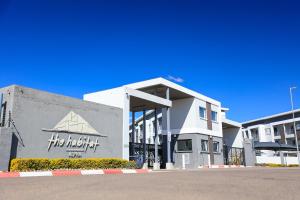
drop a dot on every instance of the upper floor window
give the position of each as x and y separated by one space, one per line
214 116
255 134
297 126
276 132
202 111
268 131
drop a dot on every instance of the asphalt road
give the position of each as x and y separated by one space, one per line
208 184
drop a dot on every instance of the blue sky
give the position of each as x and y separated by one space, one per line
245 54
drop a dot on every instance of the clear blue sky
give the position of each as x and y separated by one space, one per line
245 54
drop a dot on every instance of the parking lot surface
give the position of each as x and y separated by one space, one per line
206 184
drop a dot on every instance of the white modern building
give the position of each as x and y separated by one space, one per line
278 128
191 127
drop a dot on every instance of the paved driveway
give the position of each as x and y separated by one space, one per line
208 184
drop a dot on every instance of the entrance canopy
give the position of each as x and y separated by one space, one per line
159 86
273 146
226 123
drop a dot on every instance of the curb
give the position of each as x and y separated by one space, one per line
73 173
221 166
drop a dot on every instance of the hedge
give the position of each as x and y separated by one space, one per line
39 164
276 165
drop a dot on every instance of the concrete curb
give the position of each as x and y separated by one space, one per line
221 166
73 173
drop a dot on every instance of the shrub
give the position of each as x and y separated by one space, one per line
34 164
293 165
276 165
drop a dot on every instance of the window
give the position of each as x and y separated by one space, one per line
202 112
298 126
246 135
184 145
268 131
216 147
159 124
276 132
214 116
204 145
255 135
292 131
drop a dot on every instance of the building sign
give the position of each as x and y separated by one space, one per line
71 124
83 142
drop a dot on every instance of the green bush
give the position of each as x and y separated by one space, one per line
35 164
275 165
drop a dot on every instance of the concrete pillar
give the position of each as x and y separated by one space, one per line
282 158
283 135
133 127
145 165
156 164
132 156
249 153
169 164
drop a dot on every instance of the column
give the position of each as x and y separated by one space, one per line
145 165
132 156
169 164
133 127
283 135
156 164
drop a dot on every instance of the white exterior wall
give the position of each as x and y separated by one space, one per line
234 137
115 97
182 116
201 124
185 118
276 160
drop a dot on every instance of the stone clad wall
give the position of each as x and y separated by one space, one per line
37 116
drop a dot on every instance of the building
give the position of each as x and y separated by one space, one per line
278 128
190 128
174 126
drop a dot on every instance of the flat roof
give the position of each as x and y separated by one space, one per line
227 123
271 116
157 87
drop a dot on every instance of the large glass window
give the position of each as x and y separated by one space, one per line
214 116
216 147
202 112
204 145
184 145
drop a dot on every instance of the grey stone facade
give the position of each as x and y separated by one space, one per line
197 157
250 157
30 112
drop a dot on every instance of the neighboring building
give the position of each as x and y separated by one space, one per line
277 128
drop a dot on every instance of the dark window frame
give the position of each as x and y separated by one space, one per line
186 145
218 150
207 149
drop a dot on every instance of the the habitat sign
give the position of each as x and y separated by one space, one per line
74 124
